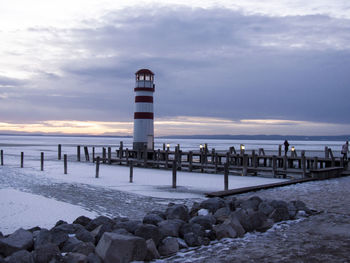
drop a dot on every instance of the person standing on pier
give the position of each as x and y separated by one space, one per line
286 146
345 150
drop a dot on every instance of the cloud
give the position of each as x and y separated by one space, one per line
217 63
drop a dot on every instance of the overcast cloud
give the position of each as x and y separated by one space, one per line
213 62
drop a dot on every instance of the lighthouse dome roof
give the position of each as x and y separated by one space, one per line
144 71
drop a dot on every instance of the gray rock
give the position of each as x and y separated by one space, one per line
152 219
84 235
230 202
82 220
213 204
129 225
148 231
292 210
205 221
60 222
70 244
194 209
205 241
20 240
299 205
84 248
224 231
42 237
210 234
192 240
75 258
278 204
21 256
182 243
101 220
168 246
152 252
250 221
46 252
170 227
233 221
252 203
177 212
114 248
93 258
280 214
68 228
265 208
121 231
222 214
191 228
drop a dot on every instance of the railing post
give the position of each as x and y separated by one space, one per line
245 164
2 157
59 151
226 172
174 174
103 155
190 161
78 153
42 161
274 166
93 154
65 163
22 159
109 155
97 167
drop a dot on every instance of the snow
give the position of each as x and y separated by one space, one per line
20 209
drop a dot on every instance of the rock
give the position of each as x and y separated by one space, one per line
205 221
60 222
233 221
203 212
191 228
210 234
265 208
168 246
182 243
75 258
224 231
152 219
251 203
230 202
147 231
194 209
299 205
266 225
160 213
1 235
46 252
213 204
84 248
170 227
101 220
129 225
278 204
152 252
93 258
68 228
205 241
121 231
33 229
279 214
42 237
114 248
292 210
82 220
177 212
20 240
85 236
21 256
192 240
100 230
250 221
222 214
70 244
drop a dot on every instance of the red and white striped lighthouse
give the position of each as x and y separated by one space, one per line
143 116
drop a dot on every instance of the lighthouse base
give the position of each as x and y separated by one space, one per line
139 146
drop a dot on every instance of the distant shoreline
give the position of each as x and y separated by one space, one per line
211 137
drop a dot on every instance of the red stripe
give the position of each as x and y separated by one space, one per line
143 115
144 89
144 99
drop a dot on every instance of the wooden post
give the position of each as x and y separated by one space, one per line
120 150
326 152
190 161
315 163
42 161
65 163
245 164
2 157
226 172
332 156
109 155
202 161
167 159
22 159
254 163
131 177
303 165
103 154
274 166
145 157
216 162
285 160
158 158
228 158
279 150
127 156
163 146
59 151
97 166
174 174
212 155
86 152
233 150
93 154
78 153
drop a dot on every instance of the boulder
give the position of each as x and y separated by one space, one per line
75 258
213 204
21 256
93 258
46 252
182 243
224 231
177 212
82 220
194 209
70 244
170 227
84 248
129 225
206 222
230 202
42 237
115 248
203 212
152 219
252 203
147 231
299 205
168 246
152 252
250 220
192 240
279 214
278 204
265 208
292 210
192 228
85 236
210 234
20 240
222 214
101 220
60 222
233 221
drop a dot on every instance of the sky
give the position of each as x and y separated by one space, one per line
221 67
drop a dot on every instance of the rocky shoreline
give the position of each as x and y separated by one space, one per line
159 235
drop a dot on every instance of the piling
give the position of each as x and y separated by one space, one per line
97 166
131 177
78 153
59 151
86 152
42 161
65 163
174 174
93 154
104 155
22 159
2 157
226 172
109 155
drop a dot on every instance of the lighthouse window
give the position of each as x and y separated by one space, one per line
141 77
148 77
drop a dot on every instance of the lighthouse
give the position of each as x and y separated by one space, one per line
143 115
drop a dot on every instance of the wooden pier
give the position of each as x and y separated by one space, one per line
237 163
